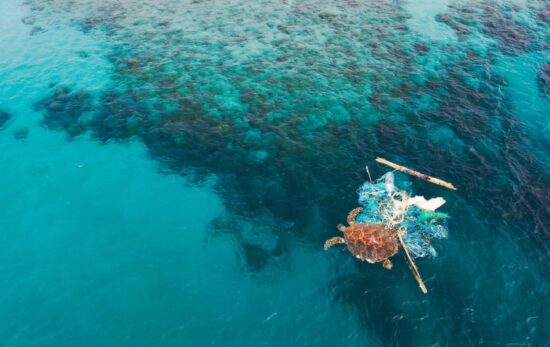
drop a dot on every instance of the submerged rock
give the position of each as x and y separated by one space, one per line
133 63
4 118
29 20
89 24
37 30
460 28
421 48
283 28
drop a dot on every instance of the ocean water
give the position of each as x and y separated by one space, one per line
171 170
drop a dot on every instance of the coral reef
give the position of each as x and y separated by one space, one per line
262 105
65 109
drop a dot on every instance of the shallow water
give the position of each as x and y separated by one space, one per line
171 170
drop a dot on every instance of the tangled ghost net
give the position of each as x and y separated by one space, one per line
390 218
414 218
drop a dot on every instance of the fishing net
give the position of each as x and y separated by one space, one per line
384 203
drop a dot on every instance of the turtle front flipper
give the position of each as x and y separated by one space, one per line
334 241
353 214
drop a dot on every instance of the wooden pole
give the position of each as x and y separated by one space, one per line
413 267
416 173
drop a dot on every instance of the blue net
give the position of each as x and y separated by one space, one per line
384 203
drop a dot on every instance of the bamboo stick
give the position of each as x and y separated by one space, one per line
416 173
413 267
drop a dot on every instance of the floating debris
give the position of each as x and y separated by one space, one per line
391 218
416 173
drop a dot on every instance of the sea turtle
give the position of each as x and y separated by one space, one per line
371 242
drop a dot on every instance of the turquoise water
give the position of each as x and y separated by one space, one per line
171 169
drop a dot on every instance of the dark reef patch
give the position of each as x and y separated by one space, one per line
543 79
4 118
500 21
254 252
37 30
460 28
65 109
421 48
543 14
514 38
121 117
29 20
21 134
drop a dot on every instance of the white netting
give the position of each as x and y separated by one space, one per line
383 202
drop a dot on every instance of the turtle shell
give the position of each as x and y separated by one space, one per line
370 242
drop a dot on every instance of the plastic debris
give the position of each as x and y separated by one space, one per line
426 205
390 185
428 215
412 219
391 218
415 218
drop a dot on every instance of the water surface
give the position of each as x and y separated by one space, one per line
171 169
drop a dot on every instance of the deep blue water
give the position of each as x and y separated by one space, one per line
171 169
